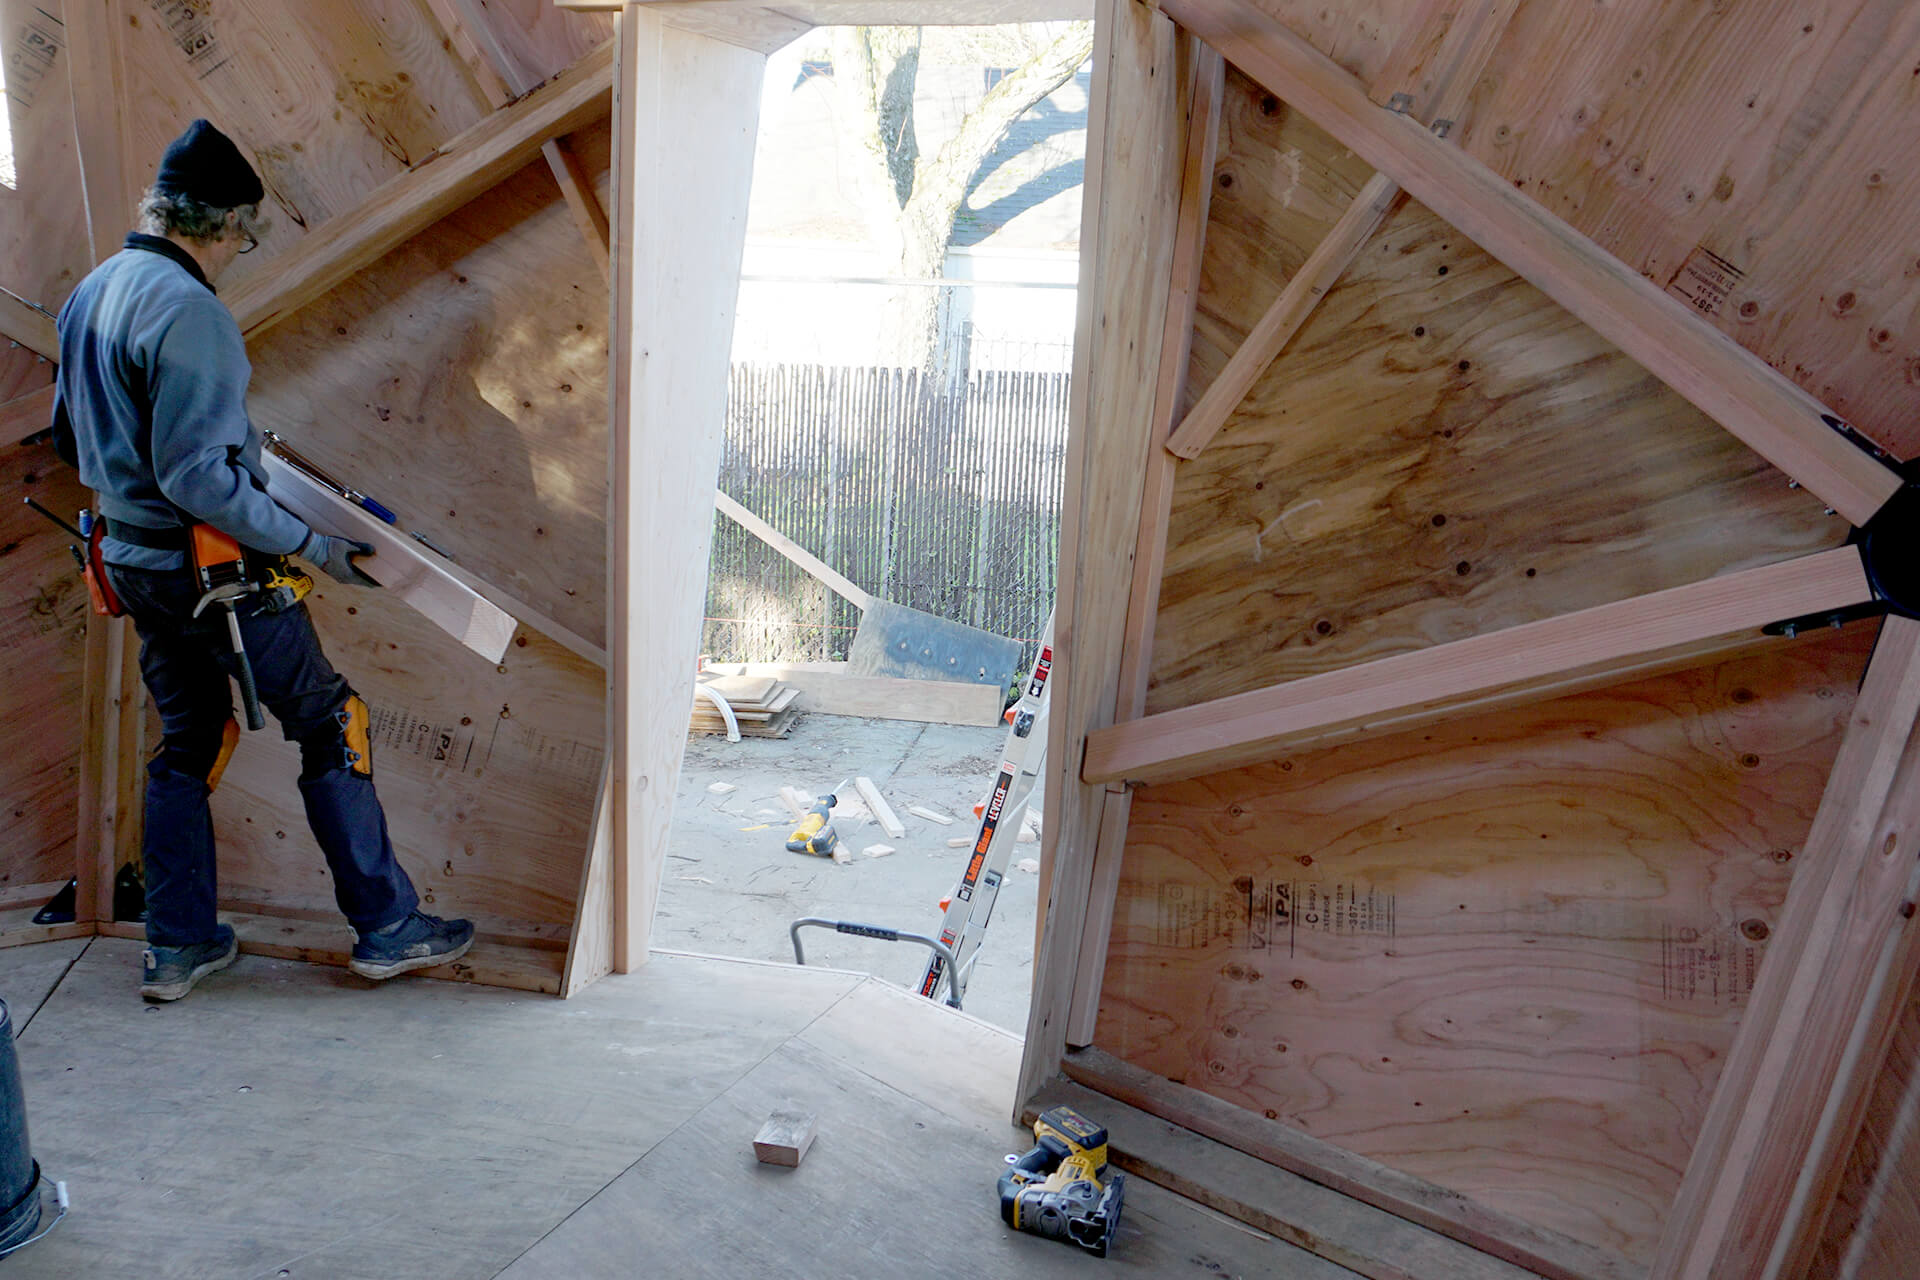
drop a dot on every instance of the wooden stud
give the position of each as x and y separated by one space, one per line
685 118
1129 221
1838 970
1208 76
1762 407
1206 73
113 719
1662 631
96 82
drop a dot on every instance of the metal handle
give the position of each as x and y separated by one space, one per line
884 934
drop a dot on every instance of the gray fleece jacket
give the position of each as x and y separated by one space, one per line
153 378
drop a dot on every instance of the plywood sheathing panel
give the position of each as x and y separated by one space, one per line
42 644
461 380
43 234
1765 142
1748 157
328 101
537 38
1514 948
488 775
1440 453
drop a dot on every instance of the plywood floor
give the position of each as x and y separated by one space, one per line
292 1121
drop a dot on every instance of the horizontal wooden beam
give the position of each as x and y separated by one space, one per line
397 565
792 550
1767 410
1661 631
23 415
467 166
27 326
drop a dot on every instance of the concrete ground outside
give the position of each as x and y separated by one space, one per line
731 888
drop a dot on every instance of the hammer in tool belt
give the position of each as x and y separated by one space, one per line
222 569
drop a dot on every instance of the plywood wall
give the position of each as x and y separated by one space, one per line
42 639
1508 954
1768 135
1441 452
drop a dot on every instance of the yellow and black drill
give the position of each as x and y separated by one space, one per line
1055 1190
815 834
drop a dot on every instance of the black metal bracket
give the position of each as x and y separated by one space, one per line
1890 548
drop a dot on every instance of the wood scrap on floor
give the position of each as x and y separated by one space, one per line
784 1138
882 811
931 815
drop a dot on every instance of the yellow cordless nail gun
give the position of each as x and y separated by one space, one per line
1055 1190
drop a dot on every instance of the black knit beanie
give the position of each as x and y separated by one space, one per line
204 165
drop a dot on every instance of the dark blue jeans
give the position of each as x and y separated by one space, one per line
186 663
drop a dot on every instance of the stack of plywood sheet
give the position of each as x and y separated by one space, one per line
762 706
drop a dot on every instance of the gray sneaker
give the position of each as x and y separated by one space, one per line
170 972
418 941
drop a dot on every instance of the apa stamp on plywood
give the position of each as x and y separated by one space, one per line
190 24
1710 966
1262 915
1706 280
32 49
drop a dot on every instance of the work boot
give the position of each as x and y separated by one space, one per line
416 941
170 972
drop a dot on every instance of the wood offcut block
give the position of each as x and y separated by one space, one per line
784 1138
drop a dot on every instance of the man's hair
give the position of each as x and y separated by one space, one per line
162 212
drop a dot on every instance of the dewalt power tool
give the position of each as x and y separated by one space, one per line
815 834
1056 1189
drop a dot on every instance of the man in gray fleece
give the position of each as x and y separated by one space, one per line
151 407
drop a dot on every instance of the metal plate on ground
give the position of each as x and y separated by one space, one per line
894 640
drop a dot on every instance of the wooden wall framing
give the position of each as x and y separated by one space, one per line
1596 267
1502 926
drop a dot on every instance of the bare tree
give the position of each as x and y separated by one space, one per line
911 199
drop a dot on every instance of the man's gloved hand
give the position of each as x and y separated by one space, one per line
335 557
